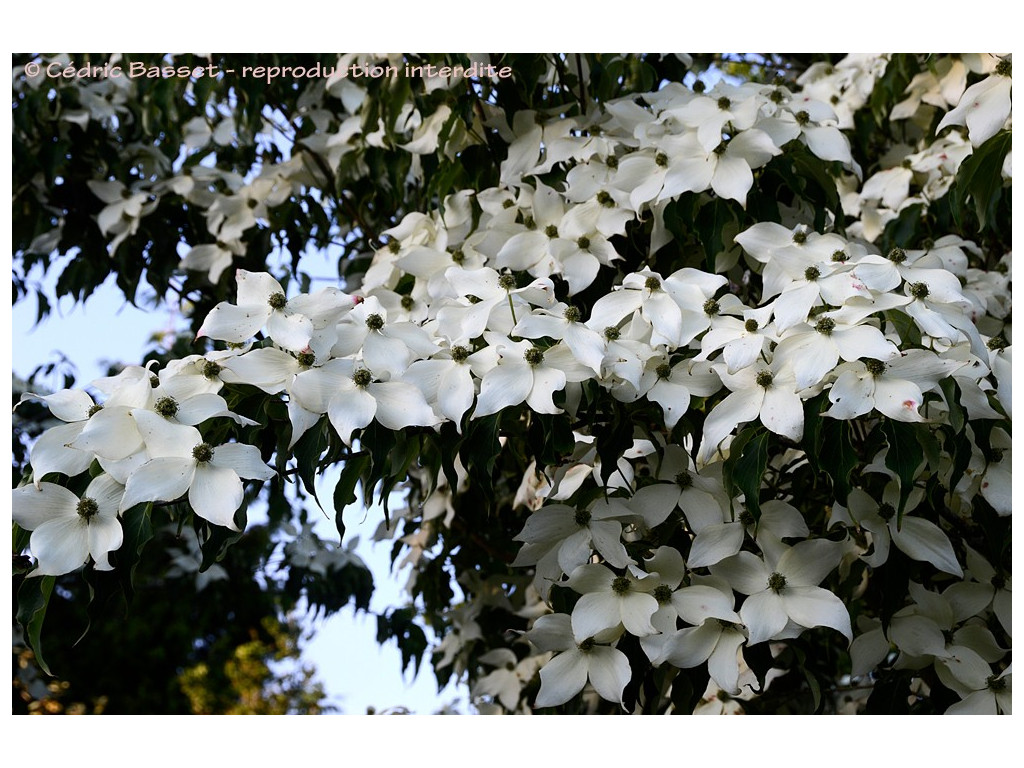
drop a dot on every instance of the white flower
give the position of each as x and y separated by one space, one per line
783 593
66 530
895 387
812 351
212 258
768 392
984 106
386 347
674 306
51 452
527 373
183 464
992 695
558 539
562 322
609 600
578 660
351 398
916 537
262 302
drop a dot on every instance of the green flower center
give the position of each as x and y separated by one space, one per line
711 307
802 117
408 302
211 370
612 162
87 508
764 379
720 149
684 479
746 518
776 582
996 683
919 290
533 356
459 354
840 256
886 511
664 371
811 274
875 367
605 199
583 243
897 256
698 86
394 246
582 517
620 585
724 103
777 96
825 326
507 281
663 593
834 99
277 301
661 160
612 334
652 283
94 410
750 325
529 222
573 314
306 359
362 377
374 322
587 645
202 453
506 204
799 237
166 407
551 231
1004 68
997 342
458 256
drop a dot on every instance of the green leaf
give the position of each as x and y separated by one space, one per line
980 179
138 530
345 489
904 229
748 470
307 452
480 449
713 218
33 599
904 457
837 456
813 423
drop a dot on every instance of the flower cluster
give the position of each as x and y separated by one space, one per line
518 302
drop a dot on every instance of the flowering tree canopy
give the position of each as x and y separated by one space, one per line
683 382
